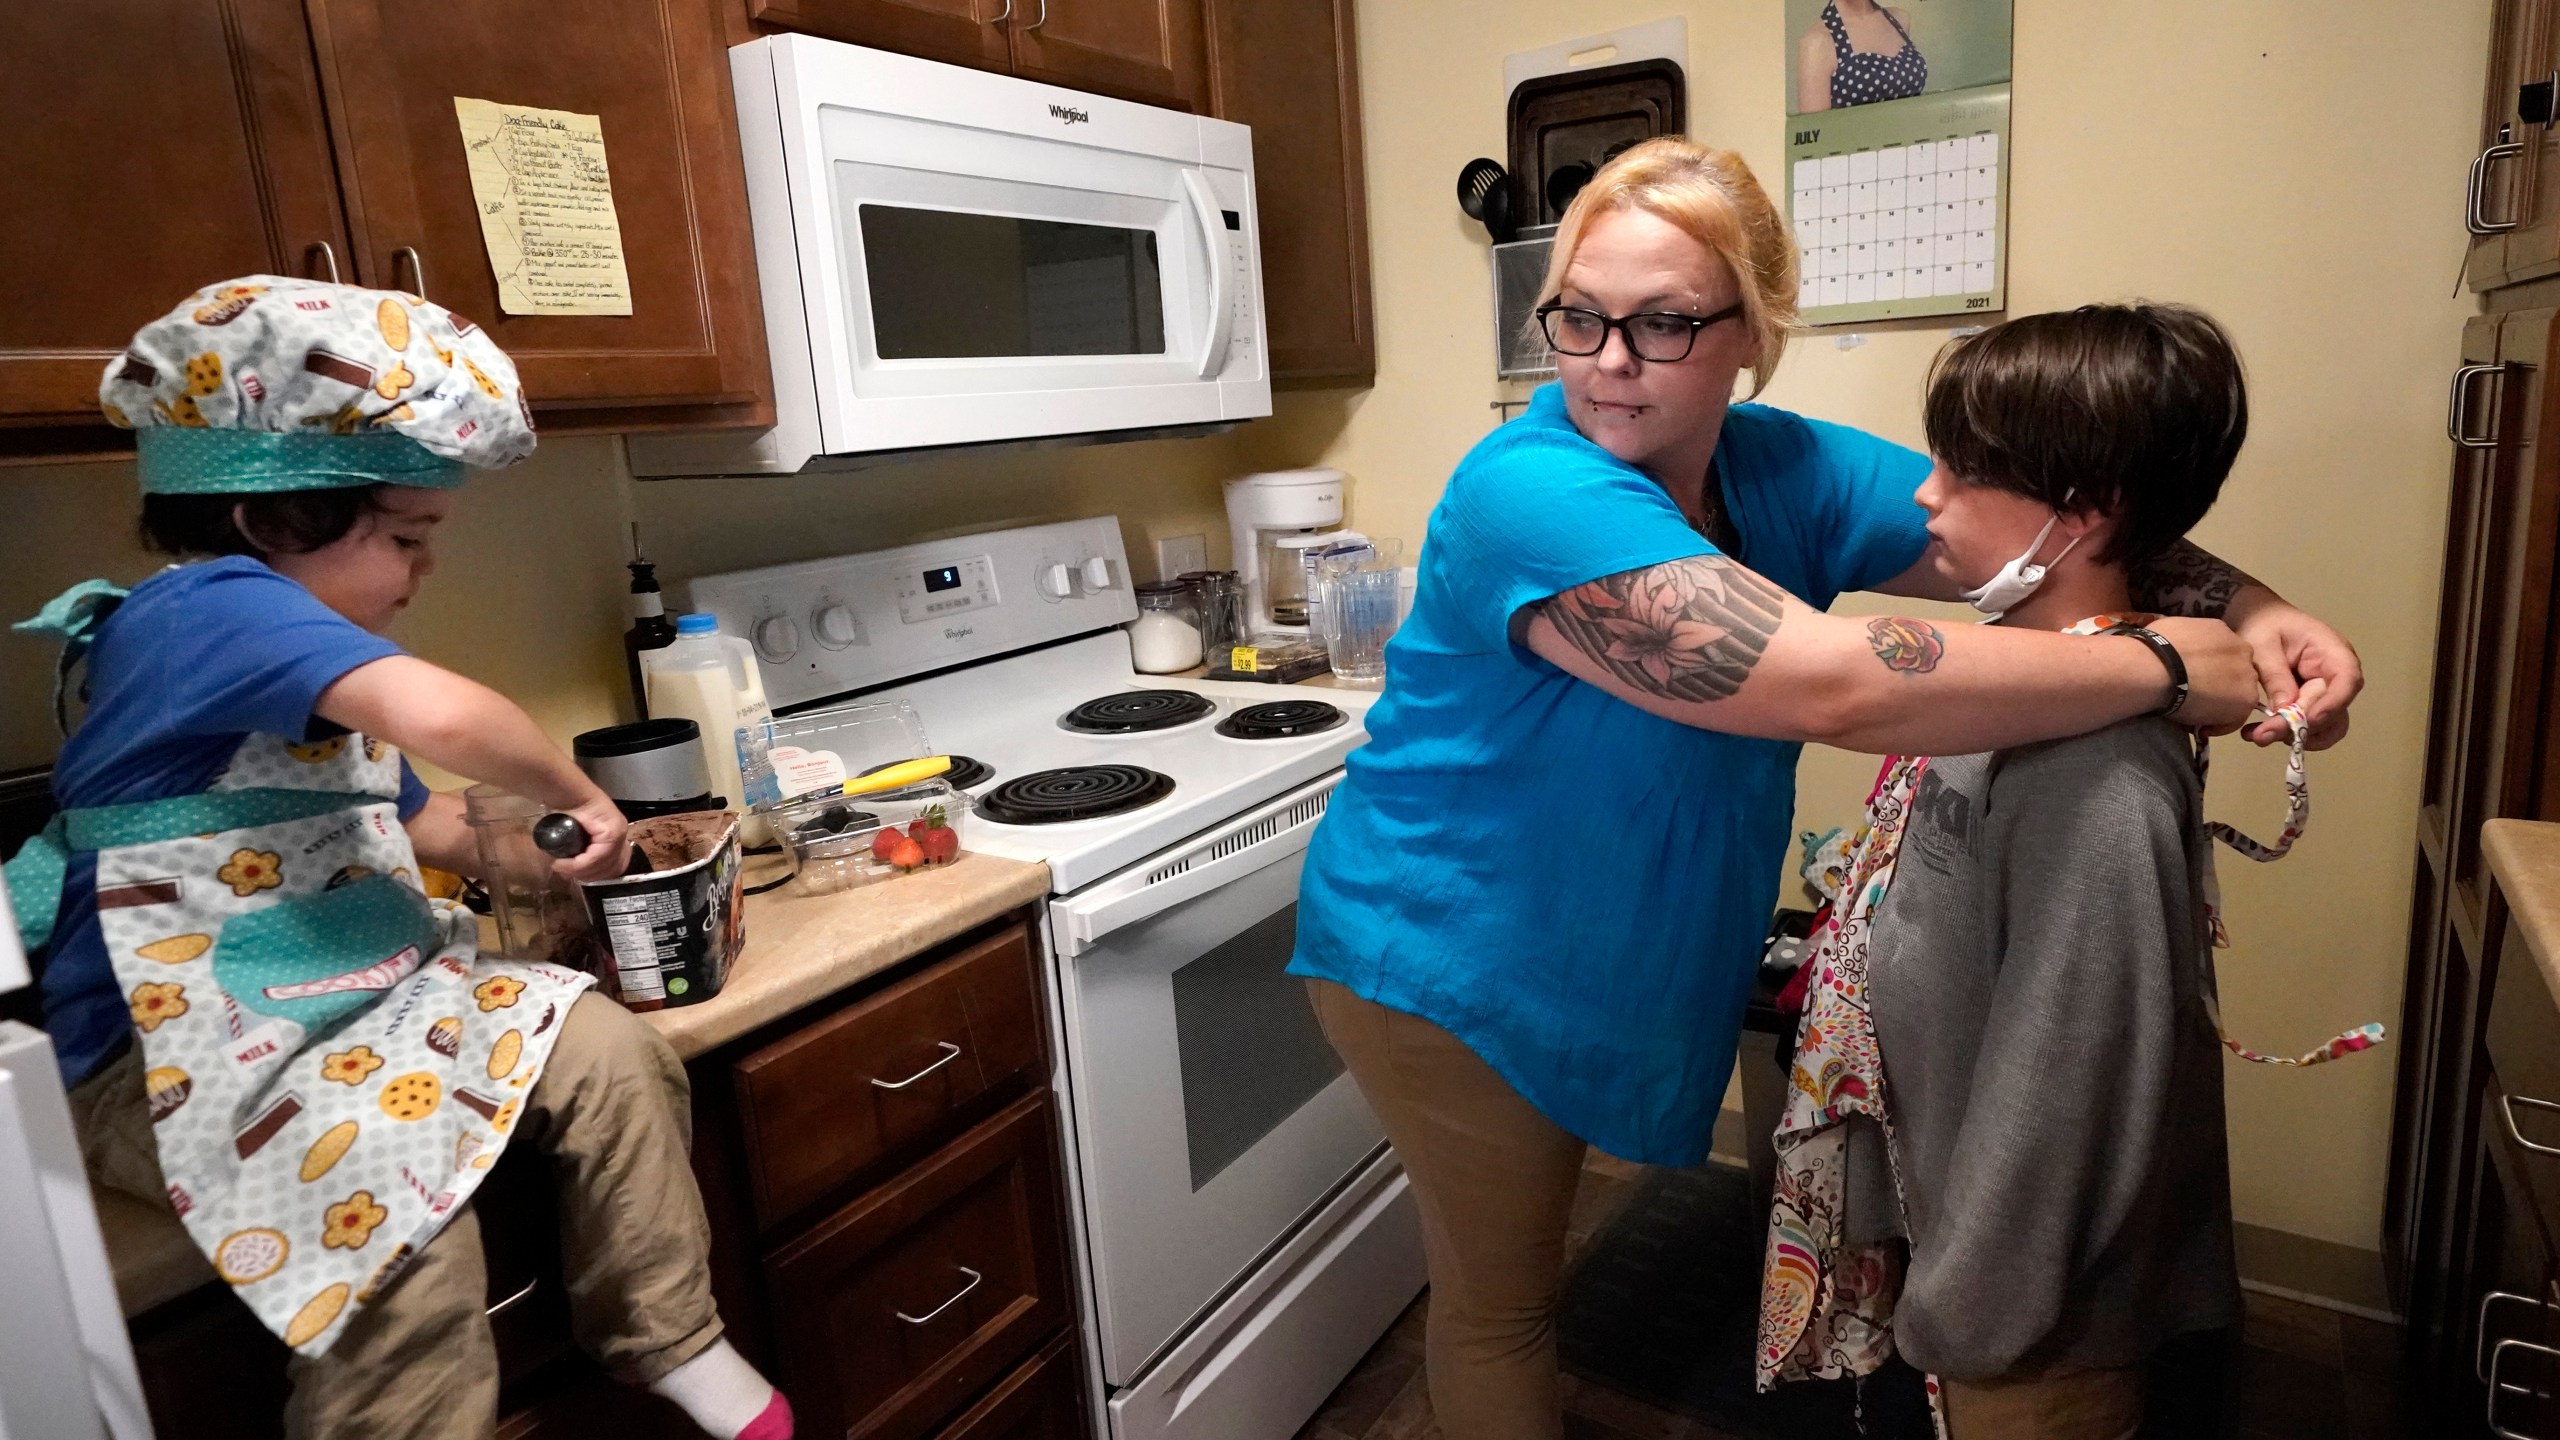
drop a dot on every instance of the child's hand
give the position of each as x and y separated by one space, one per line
608 840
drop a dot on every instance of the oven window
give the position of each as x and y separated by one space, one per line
946 285
1251 1052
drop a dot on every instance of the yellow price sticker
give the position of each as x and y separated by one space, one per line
1244 659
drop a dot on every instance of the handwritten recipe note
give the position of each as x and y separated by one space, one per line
546 209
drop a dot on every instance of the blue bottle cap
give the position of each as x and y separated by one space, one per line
697 623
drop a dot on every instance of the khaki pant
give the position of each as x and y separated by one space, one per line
1495 1181
2083 1405
613 1112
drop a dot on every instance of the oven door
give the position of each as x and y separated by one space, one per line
1212 1117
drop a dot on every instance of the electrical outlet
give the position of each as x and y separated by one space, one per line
1181 554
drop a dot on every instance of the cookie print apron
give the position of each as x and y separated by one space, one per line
1826 1307
331 1067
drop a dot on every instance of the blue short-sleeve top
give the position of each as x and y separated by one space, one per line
1576 888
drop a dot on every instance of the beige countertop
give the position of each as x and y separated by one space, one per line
2524 855
803 948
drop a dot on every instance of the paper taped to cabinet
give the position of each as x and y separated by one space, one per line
538 178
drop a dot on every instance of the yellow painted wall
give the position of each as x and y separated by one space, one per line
2293 167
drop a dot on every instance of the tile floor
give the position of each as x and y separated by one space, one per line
2309 1372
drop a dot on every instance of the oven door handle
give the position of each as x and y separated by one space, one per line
1258 838
1213 236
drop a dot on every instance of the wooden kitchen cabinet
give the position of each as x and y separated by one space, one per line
952 31
1147 50
657 78
157 146
894 1313
1290 69
1044 1400
2507 1369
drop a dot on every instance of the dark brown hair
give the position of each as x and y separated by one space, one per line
290 522
2135 411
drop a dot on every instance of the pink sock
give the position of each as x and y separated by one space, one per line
724 1395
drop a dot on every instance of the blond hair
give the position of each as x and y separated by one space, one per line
1714 199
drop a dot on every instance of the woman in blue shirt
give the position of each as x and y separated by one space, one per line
1531 917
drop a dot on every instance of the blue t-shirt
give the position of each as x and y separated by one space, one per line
1574 887
198 659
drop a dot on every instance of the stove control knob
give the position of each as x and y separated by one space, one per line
776 638
836 626
1097 573
1057 582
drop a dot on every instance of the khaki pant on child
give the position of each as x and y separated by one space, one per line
2082 1405
613 1113
1494 1179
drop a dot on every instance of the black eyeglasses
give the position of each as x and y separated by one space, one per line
1661 336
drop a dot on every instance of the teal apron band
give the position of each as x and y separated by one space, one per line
36 873
72 619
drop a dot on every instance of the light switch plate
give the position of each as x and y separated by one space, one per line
1181 554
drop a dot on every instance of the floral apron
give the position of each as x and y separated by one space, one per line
331 1067
1826 1307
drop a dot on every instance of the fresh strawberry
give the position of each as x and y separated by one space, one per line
930 820
906 854
940 844
884 840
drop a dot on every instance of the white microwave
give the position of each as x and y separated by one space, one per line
950 258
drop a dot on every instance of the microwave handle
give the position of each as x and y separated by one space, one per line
1213 235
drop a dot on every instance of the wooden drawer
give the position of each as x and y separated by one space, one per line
2524 1049
896 1311
1044 1400
895 1074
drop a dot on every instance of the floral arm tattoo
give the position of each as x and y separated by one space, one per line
2183 580
1684 630
1906 646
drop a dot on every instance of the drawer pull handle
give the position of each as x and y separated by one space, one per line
2480 1347
512 1301
974 1278
321 249
951 1052
2457 425
417 269
2507 1109
2498 1357
2475 200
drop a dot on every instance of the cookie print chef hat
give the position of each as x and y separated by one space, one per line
272 383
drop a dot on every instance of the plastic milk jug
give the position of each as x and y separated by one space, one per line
711 679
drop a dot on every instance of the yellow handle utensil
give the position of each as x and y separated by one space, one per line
900 775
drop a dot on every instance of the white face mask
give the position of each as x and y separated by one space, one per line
2019 578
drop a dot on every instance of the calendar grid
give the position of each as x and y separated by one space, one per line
1901 213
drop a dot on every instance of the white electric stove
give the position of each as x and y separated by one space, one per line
1244 1232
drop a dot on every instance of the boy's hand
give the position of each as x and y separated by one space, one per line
608 840
2222 674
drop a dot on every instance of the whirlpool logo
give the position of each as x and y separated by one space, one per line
1071 115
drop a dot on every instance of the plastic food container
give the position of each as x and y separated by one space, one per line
816 752
669 935
835 841
540 915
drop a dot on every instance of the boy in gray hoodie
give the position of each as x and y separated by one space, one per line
2039 969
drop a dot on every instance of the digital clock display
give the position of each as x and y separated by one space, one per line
946 578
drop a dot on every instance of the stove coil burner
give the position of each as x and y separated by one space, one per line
1280 720
967 772
1132 711
1079 792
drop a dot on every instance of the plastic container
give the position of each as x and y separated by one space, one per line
833 841
1165 638
667 937
818 750
711 679
540 916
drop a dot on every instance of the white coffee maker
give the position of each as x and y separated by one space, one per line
1273 518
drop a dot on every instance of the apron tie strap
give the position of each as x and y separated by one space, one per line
72 619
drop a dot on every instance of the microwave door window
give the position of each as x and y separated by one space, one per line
952 285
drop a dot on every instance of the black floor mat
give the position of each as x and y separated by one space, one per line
1665 1306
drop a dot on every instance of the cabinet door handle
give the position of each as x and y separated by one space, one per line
514 1300
974 1278
2507 1110
2497 1357
2475 202
1044 19
325 253
950 1052
2457 420
1004 14
2480 1346
417 269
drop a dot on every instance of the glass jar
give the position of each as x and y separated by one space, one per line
1165 637
1219 597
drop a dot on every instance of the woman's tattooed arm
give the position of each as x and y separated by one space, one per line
2184 580
1684 630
